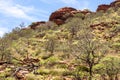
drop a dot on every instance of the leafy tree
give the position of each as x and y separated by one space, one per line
50 43
88 49
21 47
4 49
73 26
109 66
80 15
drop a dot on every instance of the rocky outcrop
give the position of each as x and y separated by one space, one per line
3 62
34 25
30 60
115 3
60 16
103 25
105 7
20 73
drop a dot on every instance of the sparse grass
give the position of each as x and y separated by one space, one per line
62 63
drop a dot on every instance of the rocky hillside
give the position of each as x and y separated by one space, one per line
72 45
62 14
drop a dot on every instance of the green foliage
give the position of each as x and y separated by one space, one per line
73 50
116 46
10 78
80 72
51 61
79 15
46 56
6 74
34 77
67 73
109 66
43 71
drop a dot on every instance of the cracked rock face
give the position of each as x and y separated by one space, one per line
115 3
105 7
62 14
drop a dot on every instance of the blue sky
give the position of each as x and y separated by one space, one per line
14 12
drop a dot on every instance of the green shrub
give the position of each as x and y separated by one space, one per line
51 61
10 78
62 66
43 71
34 77
46 56
67 73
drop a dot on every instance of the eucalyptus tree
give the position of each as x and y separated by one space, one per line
4 49
88 49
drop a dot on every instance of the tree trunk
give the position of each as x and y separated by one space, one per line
111 77
116 77
2 56
78 78
103 77
90 73
27 55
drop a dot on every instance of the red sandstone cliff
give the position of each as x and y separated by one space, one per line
105 7
60 16
35 24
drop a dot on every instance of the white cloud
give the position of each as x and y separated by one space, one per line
9 8
3 31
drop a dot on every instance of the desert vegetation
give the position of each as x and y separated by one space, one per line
85 47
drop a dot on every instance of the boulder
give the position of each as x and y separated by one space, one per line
115 3
61 15
20 73
34 25
103 7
